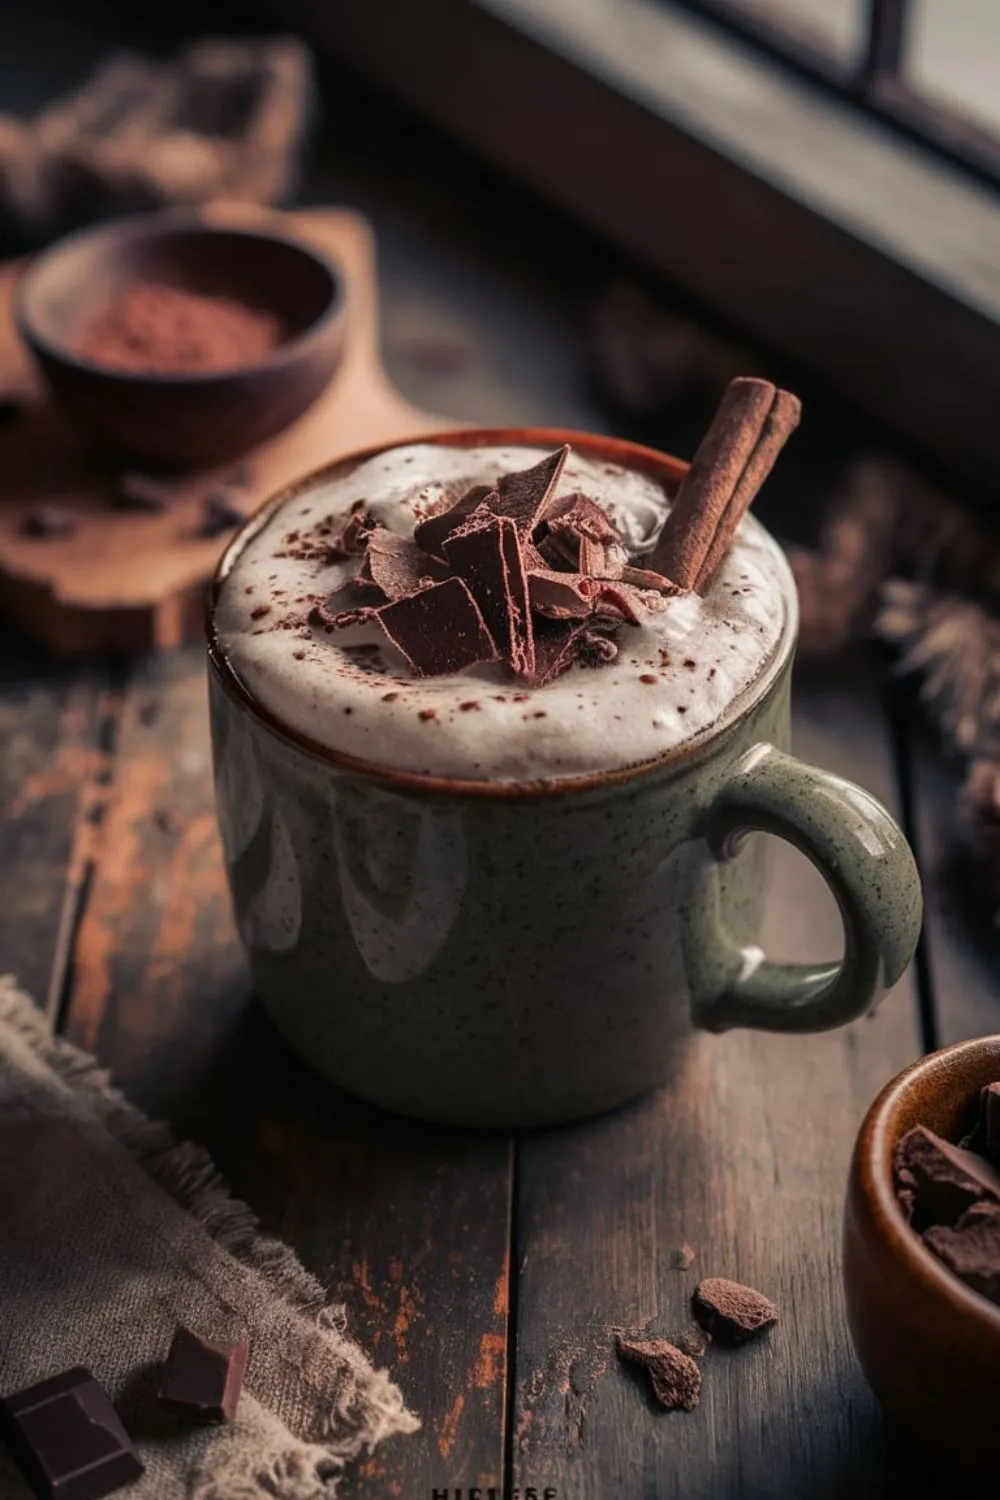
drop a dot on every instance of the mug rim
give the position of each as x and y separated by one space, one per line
659 465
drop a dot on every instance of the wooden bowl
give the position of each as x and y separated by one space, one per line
929 1345
183 421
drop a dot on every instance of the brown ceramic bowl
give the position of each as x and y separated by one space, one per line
929 1345
196 420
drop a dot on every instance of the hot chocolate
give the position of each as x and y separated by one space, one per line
677 673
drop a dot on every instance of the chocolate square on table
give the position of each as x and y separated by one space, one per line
67 1439
202 1380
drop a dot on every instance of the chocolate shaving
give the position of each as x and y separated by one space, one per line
557 645
524 494
674 1376
341 619
577 533
439 629
621 602
645 578
349 537
397 566
432 533
560 596
752 424
594 649
487 556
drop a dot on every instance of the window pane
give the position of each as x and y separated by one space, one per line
836 27
953 57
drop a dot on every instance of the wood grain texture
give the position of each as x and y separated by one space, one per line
746 1161
56 730
408 1226
125 581
961 938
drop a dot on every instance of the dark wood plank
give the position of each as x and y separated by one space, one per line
56 726
746 1161
409 1226
961 938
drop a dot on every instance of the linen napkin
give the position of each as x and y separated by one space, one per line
110 1235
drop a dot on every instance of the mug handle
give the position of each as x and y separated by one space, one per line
868 866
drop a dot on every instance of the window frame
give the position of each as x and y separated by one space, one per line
875 84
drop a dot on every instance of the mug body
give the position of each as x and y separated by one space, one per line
496 957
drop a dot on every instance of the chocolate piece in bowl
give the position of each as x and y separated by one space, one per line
971 1248
67 1439
201 1380
941 1180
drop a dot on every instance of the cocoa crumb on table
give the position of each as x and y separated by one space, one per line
673 1374
731 1312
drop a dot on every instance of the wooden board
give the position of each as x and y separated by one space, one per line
127 581
407 1225
745 1159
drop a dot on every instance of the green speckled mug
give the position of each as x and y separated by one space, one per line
519 954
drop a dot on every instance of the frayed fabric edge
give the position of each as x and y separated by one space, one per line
187 1173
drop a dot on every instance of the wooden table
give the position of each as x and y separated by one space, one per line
486 1271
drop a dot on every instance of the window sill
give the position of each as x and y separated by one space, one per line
824 236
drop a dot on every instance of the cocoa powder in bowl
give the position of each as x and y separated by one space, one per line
156 328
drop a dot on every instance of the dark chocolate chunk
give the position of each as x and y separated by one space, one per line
67 1439
971 1248
945 1179
397 565
675 1378
487 557
732 1313
577 530
525 494
49 520
438 630
202 1380
141 492
556 648
432 533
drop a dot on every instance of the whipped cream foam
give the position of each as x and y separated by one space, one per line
675 676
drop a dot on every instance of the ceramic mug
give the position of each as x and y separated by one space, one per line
514 954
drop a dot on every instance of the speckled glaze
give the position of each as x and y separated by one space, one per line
504 954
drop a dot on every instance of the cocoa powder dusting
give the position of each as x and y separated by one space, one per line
154 328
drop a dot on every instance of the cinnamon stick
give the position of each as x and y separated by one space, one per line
752 424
